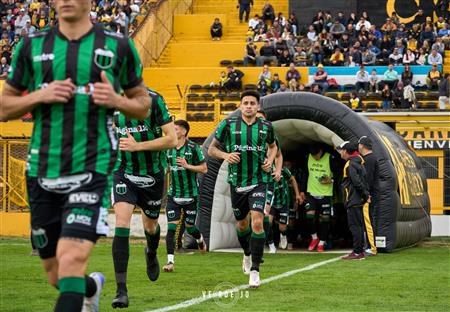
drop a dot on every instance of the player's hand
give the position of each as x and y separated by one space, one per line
104 93
276 175
128 144
326 180
182 162
298 199
295 207
233 158
369 200
302 197
267 165
58 91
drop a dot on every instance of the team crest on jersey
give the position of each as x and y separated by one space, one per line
103 58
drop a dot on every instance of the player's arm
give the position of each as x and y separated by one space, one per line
201 168
215 151
169 140
278 165
271 154
298 198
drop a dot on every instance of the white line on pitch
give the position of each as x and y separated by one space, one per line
198 300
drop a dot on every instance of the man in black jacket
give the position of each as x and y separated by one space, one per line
234 79
371 166
244 6
356 194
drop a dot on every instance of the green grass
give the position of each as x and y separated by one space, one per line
414 279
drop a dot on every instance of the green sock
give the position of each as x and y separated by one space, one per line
153 240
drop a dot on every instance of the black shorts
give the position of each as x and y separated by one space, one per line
176 205
145 192
322 205
244 199
269 194
70 206
280 214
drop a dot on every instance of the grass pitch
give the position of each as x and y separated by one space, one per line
414 279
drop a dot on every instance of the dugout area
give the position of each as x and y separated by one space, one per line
302 118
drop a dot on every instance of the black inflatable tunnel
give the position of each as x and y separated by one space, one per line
402 217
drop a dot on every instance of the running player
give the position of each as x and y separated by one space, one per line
73 73
139 182
185 161
250 150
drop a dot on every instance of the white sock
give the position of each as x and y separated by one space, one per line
170 258
321 243
314 236
200 239
272 245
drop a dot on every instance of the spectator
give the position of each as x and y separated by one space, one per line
341 18
30 29
362 23
407 74
267 53
285 59
216 29
433 77
120 19
263 88
354 101
244 6
316 55
283 88
275 84
250 34
4 69
280 46
135 11
316 89
373 81
444 32
422 58
362 80
390 77
234 79
21 20
265 75
398 96
320 78
396 57
368 58
260 36
251 55
294 23
300 56
386 97
337 58
409 95
354 57
385 48
292 77
337 29
253 23
222 81
439 46
420 17
389 26
268 13
409 57
427 34
312 34
444 91
412 44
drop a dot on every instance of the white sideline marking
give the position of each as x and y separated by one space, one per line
198 300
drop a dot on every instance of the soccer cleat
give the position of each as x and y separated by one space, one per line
272 248
368 253
169 267
353 256
254 281
91 304
313 244
283 242
201 244
120 301
246 264
152 265
290 246
320 248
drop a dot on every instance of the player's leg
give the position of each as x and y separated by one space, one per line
269 233
124 202
173 213
268 219
241 212
283 220
324 221
190 210
311 220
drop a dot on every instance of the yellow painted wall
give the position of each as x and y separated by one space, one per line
14 224
197 25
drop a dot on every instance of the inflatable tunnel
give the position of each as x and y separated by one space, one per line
402 216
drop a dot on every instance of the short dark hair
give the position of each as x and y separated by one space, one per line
253 93
184 124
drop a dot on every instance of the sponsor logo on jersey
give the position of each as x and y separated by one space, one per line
141 181
259 194
84 198
154 202
80 216
247 148
139 128
39 236
44 57
64 185
183 201
244 189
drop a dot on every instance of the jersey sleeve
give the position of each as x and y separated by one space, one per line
287 173
131 70
19 75
270 134
222 131
163 116
198 156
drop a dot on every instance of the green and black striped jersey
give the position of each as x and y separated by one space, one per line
143 162
183 182
281 189
251 141
76 136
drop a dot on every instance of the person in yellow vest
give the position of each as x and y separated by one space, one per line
317 188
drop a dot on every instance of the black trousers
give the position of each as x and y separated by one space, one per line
356 225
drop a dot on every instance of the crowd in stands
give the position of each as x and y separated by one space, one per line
22 17
344 40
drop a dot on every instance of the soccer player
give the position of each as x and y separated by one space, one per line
250 150
185 161
73 73
139 182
